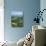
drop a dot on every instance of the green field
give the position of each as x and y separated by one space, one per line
16 21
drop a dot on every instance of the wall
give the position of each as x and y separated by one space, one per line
1 3
43 6
29 7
